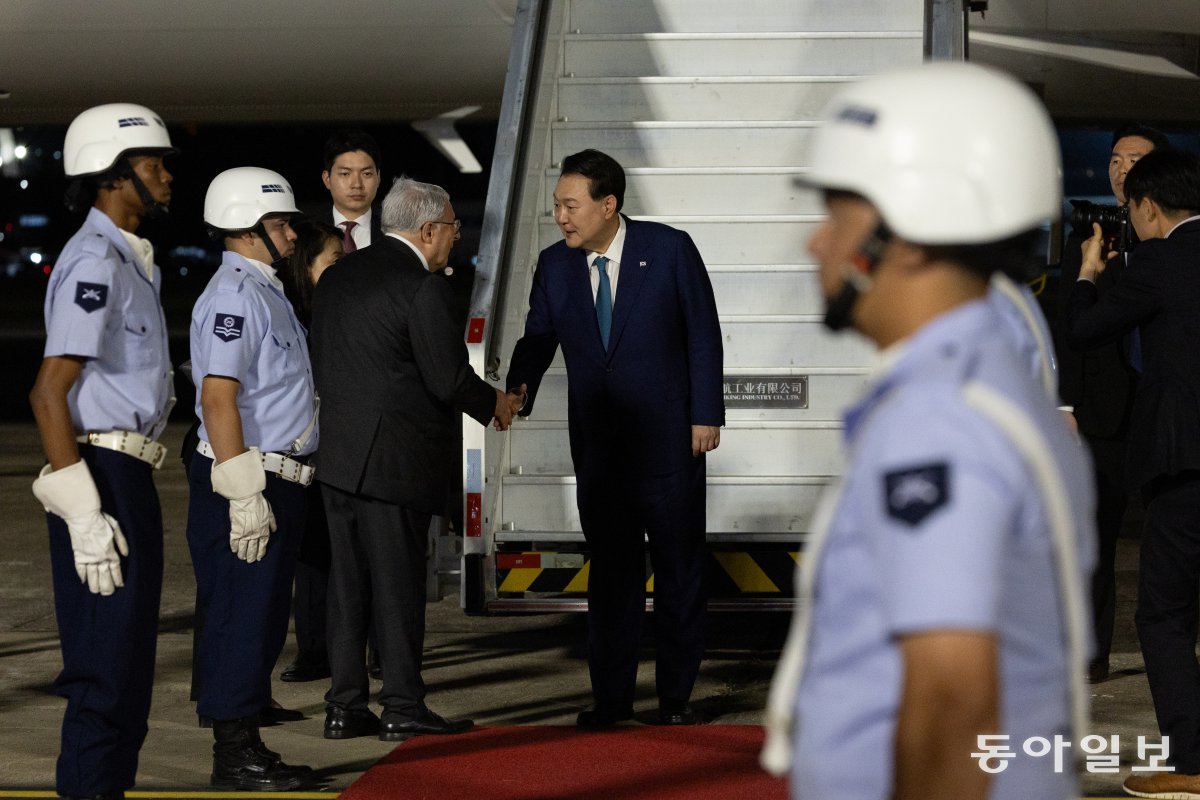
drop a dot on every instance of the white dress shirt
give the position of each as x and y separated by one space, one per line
362 229
613 254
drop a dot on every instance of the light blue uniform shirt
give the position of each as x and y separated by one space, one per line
1025 326
939 524
244 328
101 305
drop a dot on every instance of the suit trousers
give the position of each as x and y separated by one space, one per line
619 515
378 577
1108 460
245 606
312 577
108 643
1167 614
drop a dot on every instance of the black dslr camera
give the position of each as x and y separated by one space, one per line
1114 223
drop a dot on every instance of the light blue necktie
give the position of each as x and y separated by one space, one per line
603 300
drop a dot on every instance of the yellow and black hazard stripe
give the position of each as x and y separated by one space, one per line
732 573
757 572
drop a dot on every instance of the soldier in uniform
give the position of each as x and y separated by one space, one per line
256 404
101 400
943 591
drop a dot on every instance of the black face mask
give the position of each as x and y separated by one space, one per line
839 309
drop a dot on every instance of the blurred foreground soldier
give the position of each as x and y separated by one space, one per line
1159 295
247 480
942 598
393 373
101 399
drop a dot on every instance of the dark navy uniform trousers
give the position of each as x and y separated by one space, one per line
108 643
245 606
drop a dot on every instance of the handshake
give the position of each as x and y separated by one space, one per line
507 406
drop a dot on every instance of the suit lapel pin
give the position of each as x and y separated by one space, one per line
641 263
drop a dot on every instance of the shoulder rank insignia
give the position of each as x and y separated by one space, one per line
913 494
90 296
228 327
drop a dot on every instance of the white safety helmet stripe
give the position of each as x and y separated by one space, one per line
97 138
950 153
239 198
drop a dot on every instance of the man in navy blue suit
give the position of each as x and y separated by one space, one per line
632 307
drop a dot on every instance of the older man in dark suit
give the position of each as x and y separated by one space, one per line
392 372
1159 295
632 307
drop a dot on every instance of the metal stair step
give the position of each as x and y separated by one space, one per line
542 508
730 239
830 391
715 191
776 448
691 143
665 16
738 54
693 98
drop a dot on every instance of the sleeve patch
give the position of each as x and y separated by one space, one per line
915 493
228 327
90 296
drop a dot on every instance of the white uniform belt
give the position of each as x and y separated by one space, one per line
133 444
275 463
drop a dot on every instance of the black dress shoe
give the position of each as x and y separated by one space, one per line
274 714
603 715
428 723
306 667
677 715
1098 671
342 723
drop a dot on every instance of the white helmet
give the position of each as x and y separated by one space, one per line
238 198
949 152
98 137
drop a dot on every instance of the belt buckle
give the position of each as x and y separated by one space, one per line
290 469
160 455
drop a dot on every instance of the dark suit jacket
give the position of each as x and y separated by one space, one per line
1098 382
376 223
392 372
1159 293
631 408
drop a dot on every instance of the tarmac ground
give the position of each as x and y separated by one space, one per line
510 670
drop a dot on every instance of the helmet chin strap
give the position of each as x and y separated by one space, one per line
261 230
856 279
152 208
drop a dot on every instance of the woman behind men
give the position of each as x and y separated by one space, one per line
318 247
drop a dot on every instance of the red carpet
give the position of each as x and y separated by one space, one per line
704 762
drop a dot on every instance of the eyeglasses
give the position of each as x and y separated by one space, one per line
456 223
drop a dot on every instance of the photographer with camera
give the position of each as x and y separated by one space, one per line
1159 294
1099 382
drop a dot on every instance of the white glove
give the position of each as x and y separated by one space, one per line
71 493
241 481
